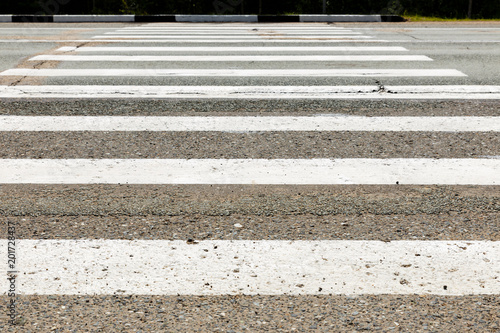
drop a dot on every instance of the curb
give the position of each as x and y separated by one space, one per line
200 18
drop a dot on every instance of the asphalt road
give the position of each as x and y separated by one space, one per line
65 279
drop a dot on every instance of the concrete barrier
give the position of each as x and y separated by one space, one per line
94 18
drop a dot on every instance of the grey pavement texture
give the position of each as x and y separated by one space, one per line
249 145
386 313
254 212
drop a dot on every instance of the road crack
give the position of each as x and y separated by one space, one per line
15 83
381 88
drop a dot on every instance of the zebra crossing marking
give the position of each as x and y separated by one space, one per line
407 171
249 123
243 37
218 58
244 49
256 267
234 26
262 33
326 72
260 267
459 92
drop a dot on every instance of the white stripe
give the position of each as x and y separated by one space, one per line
249 29
261 33
429 28
239 28
234 49
93 58
5 18
248 124
253 92
234 72
249 37
68 49
94 18
42 28
201 41
232 27
236 26
252 171
371 41
255 267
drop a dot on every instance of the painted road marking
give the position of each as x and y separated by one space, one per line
207 58
232 27
252 92
235 32
236 72
409 171
262 33
255 267
234 49
249 124
245 37
231 41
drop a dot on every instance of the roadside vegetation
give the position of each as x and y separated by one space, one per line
415 10
418 18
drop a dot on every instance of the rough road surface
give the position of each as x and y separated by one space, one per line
351 180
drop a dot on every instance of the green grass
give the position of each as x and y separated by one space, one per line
418 18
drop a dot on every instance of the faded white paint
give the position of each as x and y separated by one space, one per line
259 33
94 18
215 58
411 171
235 31
201 41
236 72
253 92
219 41
254 38
249 124
220 267
233 26
244 49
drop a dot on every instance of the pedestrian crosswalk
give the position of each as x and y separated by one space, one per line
257 33
240 124
235 72
253 171
230 58
426 265
243 49
237 92
258 267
